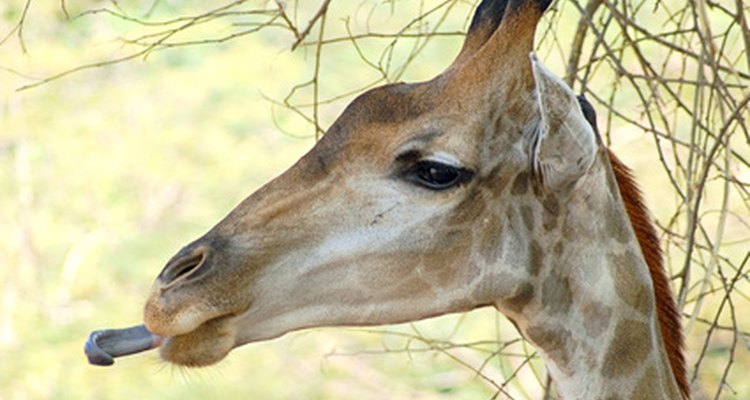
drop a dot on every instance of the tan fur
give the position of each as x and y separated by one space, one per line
346 236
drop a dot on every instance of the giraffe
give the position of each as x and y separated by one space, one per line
486 186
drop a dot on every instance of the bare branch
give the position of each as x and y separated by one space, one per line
18 28
320 14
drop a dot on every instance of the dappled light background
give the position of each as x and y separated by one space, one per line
128 128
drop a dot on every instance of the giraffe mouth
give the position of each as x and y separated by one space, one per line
103 346
207 344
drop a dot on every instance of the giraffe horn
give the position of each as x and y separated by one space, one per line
491 14
494 56
486 19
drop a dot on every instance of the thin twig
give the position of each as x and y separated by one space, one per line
320 14
18 28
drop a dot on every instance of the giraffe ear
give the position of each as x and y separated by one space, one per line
565 144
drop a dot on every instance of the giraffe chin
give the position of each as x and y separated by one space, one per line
208 344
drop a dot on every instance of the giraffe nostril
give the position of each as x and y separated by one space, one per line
184 265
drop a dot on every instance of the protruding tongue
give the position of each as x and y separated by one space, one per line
104 345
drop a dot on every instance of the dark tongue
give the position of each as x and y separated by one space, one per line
104 345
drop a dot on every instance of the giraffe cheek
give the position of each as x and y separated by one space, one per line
489 245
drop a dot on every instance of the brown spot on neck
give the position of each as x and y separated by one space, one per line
630 345
597 317
520 298
536 257
615 224
556 293
647 386
555 341
527 214
551 212
630 285
666 307
559 248
520 184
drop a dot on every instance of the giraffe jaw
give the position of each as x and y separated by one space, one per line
208 344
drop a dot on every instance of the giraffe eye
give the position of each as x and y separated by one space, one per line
436 176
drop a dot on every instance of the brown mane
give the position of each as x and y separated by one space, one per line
666 307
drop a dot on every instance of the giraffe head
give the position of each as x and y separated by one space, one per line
487 185
397 213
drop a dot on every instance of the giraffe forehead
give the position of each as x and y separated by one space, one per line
445 138
432 117
395 103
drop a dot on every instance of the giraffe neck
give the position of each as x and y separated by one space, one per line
589 305
600 347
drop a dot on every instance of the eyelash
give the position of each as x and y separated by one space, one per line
436 175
